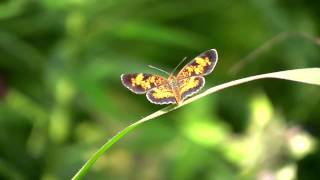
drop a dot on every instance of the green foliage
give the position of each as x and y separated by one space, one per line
61 97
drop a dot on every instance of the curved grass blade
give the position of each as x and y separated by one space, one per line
306 75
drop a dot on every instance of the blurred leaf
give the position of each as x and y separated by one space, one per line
11 8
146 31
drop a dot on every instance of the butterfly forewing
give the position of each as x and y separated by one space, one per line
140 83
201 65
161 95
190 86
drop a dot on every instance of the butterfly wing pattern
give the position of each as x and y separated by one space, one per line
190 86
201 65
163 94
191 78
174 89
140 83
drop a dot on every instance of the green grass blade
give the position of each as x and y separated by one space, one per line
306 75
85 168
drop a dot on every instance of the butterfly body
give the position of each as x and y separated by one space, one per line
173 82
175 86
174 89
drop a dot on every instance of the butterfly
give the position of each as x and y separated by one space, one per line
174 89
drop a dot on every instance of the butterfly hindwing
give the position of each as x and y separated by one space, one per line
161 95
201 65
190 86
140 83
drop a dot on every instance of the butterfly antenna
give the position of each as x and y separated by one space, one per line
150 66
185 58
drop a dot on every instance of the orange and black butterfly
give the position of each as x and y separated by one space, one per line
174 89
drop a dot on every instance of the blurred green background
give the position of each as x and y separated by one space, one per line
61 97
